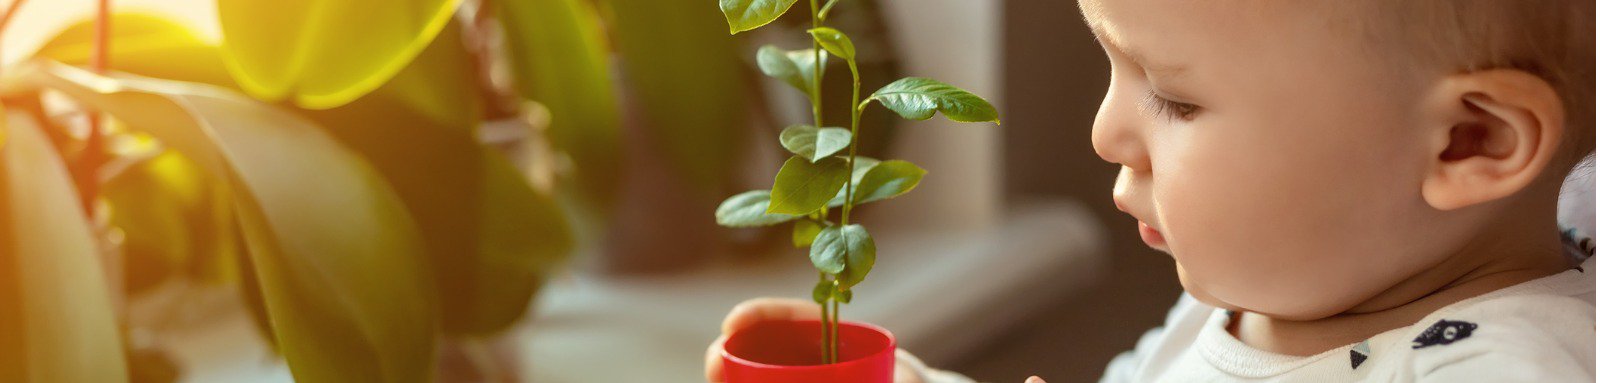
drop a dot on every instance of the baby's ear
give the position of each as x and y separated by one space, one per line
1493 132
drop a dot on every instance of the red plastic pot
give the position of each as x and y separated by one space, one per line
791 352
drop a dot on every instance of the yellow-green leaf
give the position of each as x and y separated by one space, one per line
812 142
491 238
143 43
56 323
322 54
339 260
848 252
805 231
523 239
886 180
835 42
175 222
797 68
802 186
917 98
744 15
862 165
749 209
559 55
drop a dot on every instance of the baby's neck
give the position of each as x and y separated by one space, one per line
1500 258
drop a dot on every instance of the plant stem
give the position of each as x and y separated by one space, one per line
94 145
855 123
816 70
834 357
829 337
827 345
849 184
10 13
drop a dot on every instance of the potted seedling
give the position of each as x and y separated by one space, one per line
825 176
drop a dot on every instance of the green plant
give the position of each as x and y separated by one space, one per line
338 179
818 178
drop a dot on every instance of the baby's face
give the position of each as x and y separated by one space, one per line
1266 150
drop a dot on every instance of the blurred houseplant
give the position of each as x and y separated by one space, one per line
366 186
333 170
825 171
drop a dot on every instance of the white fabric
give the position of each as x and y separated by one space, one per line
1538 331
1575 207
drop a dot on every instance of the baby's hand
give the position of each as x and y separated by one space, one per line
764 309
749 313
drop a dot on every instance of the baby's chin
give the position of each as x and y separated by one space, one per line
1277 307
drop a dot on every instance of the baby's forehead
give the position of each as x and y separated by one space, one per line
1163 35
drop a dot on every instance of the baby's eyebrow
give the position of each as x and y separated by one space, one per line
1109 39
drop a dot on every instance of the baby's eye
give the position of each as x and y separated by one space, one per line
1161 106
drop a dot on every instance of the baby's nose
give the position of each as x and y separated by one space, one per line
1117 138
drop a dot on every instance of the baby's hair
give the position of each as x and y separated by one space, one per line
1552 39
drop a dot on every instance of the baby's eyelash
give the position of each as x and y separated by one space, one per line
1161 106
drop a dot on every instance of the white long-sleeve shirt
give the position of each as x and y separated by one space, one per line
1538 331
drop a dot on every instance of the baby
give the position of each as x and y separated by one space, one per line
1351 190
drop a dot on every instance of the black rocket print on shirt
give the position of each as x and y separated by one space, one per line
1444 332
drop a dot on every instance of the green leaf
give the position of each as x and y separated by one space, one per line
822 291
492 239
802 186
56 319
143 43
523 240
797 68
805 231
250 294
843 296
863 164
438 84
848 252
917 98
887 180
175 221
749 209
418 131
835 42
559 53
314 52
814 143
690 85
490 236
340 263
744 15
862 254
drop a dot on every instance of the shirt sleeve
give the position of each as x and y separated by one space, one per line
1531 339
1156 346
1125 366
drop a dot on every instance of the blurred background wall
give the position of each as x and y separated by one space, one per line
1054 75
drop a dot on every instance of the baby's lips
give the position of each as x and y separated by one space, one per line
1123 207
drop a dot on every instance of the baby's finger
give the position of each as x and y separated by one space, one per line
764 309
714 360
1034 379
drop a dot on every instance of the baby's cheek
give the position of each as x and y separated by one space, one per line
1255 234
